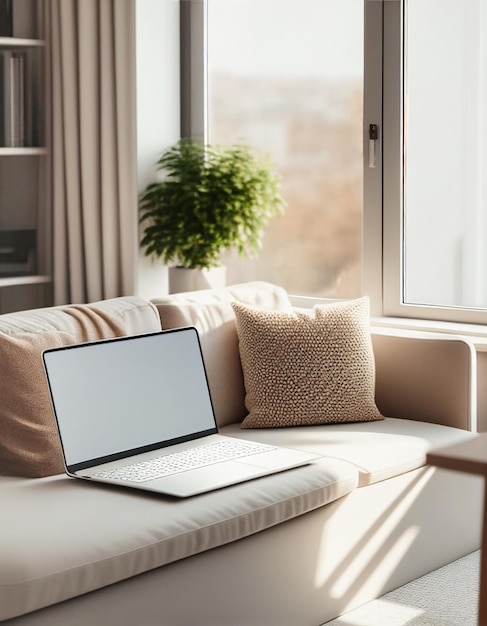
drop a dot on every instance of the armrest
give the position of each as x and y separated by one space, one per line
426 377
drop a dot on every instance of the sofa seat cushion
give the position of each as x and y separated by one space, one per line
63 537
379 450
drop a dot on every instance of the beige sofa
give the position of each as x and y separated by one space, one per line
294 549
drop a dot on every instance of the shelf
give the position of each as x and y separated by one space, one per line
22 151
16 42
26 281
12 281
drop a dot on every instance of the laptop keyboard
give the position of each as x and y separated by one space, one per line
189 459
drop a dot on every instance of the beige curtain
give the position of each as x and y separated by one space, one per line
93 144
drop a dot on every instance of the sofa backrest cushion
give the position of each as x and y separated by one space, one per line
29 445
210 311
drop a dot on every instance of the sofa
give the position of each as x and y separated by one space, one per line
297 548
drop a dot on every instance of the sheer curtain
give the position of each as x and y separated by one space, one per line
93 144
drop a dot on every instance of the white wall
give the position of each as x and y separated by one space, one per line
158 108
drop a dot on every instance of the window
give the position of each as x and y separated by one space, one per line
416 240
435 158
287 78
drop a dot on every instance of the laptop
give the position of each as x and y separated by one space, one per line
127 404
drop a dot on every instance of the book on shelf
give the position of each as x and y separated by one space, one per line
14 91
6 18
16 101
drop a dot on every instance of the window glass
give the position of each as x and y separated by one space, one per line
286 76
445 153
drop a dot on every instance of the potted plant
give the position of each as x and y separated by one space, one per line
210 199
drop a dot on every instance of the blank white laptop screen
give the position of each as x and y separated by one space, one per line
119 395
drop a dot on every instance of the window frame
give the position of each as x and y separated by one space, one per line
193 19
372 222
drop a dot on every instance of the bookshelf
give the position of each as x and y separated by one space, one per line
25 258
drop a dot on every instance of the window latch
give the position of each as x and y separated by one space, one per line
373 137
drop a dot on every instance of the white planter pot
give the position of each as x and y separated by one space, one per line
182 279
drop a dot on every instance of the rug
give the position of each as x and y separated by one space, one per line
446 597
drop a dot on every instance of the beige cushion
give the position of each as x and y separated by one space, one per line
65 537
379 450
210 311
29 444
303 369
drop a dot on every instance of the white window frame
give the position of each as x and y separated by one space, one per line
372 254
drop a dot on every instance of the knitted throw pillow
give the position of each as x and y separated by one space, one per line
305 368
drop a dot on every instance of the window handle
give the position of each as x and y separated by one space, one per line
373 137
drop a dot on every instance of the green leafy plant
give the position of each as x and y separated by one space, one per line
211 199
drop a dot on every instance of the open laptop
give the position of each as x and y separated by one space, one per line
122 403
